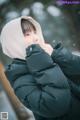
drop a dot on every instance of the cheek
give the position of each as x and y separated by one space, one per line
28 38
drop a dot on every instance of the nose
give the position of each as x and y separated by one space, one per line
35 38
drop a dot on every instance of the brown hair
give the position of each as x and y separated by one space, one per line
27 26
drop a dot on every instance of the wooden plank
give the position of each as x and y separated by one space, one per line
21 111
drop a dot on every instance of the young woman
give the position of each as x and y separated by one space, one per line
40 74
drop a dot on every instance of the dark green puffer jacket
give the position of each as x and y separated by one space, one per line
70 65
40 84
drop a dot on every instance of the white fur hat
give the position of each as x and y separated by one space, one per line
12 38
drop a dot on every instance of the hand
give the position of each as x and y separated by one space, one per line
47 48
32 38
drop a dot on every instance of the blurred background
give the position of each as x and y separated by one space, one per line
59 22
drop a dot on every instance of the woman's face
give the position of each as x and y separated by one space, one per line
31 37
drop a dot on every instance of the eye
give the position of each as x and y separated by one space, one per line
34 32
27 34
